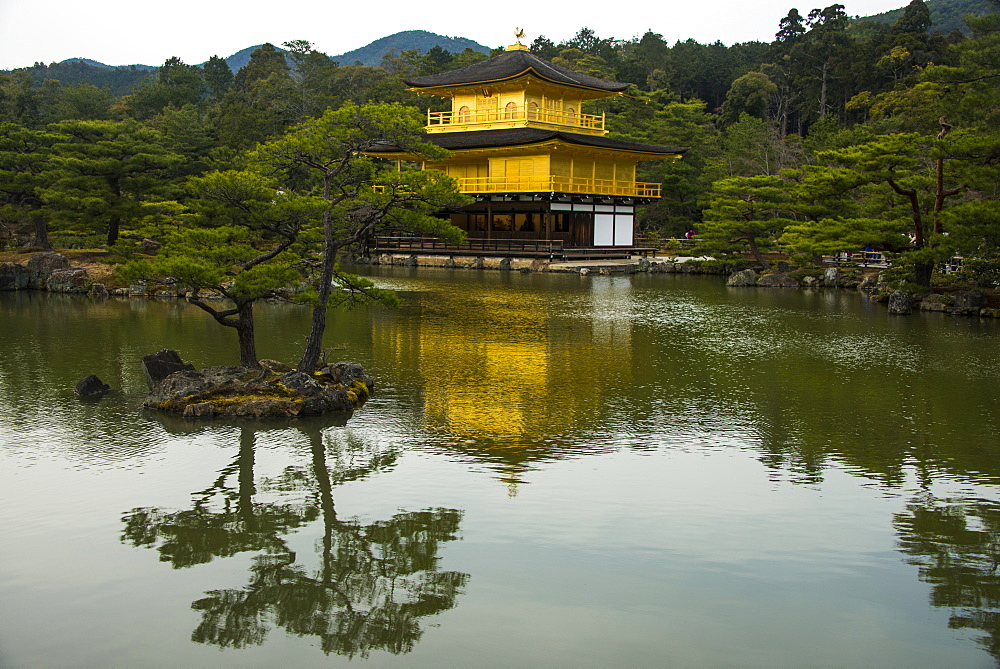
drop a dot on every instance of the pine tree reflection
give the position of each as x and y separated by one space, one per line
222 521
956 545
374 582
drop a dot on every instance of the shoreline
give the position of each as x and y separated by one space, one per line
51 271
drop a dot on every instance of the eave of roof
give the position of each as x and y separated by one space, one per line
510 65
486 139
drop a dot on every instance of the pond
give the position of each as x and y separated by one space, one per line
555 470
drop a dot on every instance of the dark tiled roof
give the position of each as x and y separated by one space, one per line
482 139
510 64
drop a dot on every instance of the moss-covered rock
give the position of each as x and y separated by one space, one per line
238 391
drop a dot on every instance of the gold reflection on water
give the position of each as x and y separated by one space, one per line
515 368
495 389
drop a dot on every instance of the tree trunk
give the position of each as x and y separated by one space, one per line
114 223
314 342
922 273
822 95
755 251
248 343
918 222
41 232
940 192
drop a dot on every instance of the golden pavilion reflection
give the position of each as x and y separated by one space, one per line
491 376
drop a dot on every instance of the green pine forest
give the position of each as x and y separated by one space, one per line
840 134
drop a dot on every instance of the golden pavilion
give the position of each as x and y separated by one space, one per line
544 174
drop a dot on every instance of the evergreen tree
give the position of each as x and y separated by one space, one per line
244 257
102 170
750 211
217 76
256 107
24 158
362 195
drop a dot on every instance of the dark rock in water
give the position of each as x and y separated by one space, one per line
69 280
41 265
158 366
98 290
90 387
743 278
237 391
644 265
777 281
935 302
967 303
410 261
347 373
188 383
505 264
524 270
13 276
900 303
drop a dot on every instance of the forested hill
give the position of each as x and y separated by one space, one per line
94 63
118 80
832 137
946 15
121 80
407 40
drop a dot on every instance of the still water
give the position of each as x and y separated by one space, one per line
554 470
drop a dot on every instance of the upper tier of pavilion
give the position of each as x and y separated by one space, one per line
515 89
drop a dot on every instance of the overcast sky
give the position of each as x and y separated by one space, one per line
124 32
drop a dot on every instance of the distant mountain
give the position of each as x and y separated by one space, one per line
946 15
407 41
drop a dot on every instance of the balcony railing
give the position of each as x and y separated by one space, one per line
455 120
526 246
556 184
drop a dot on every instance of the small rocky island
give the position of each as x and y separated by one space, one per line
273 390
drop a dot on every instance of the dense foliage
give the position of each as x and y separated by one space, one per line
878 135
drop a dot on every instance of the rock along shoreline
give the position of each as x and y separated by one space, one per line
50 271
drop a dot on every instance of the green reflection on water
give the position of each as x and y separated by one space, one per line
956 545
521 375
375 582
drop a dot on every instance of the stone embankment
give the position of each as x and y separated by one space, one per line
900 301
51 271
